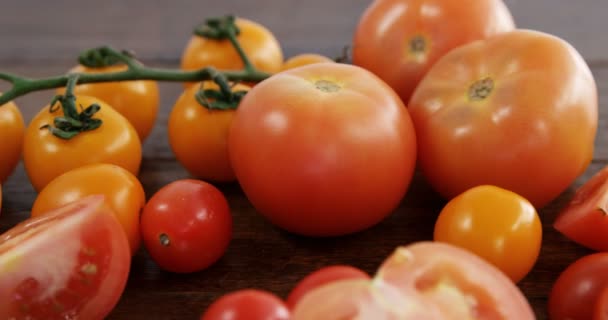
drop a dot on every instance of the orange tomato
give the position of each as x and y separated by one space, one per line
11 137
399 40
137 100
46 156
123 193
497 225
518 111
260 45
304 59
198 136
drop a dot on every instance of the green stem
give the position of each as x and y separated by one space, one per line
239 49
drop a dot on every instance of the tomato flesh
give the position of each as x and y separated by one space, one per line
72 262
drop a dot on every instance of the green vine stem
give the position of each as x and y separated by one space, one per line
222 28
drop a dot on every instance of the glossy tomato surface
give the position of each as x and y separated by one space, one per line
12 129
304 59
260 45
199 136
322 277
323 150
186 226
585 218
425 280
399 40
518 111
247 304
71 263
497 225
123 193
46 156
578 289
137 100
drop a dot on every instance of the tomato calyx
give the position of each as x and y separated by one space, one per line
104 56
224 98
218 28
481 89
72 122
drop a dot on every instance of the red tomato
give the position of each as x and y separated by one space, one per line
186 226
323 150
577 290
71 263
427 280
321 277
247 304
399 40
518 111
601 306
585 218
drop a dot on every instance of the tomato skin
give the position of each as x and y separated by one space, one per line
199 136
70 263
322 277
123 193
517 119
584 219
137 100
576 291
45 156
323 150
247 304
495 224
194 219
12 129
304 59
384 36
260 45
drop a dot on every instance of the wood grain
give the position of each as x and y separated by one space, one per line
41 38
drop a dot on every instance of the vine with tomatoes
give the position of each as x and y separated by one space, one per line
321 148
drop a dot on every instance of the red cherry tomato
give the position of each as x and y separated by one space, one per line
585 218
70 263
186 226
601 306
576 292
247 304
321 277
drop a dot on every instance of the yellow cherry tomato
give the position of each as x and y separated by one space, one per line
198 136
304 59
137 100
496 224
260 45
46 156
123 193
12 128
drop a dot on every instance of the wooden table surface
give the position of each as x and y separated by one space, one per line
41 38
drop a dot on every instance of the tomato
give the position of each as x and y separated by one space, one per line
260 45
495 224
46 156
186 226
323 150
322 277
137 100
0 198
247 304
304 59
601 306
577 290
71 263
399 40
425 280
198 136
11 135
123 193
518 111
584 219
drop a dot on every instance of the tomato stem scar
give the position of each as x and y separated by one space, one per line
481 89
164 240
327 86
417 45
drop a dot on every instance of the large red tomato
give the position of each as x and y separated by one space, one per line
518 111
421 281
322 150
71 263
399 40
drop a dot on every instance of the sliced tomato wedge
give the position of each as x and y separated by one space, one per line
584 219
426 280
70 263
